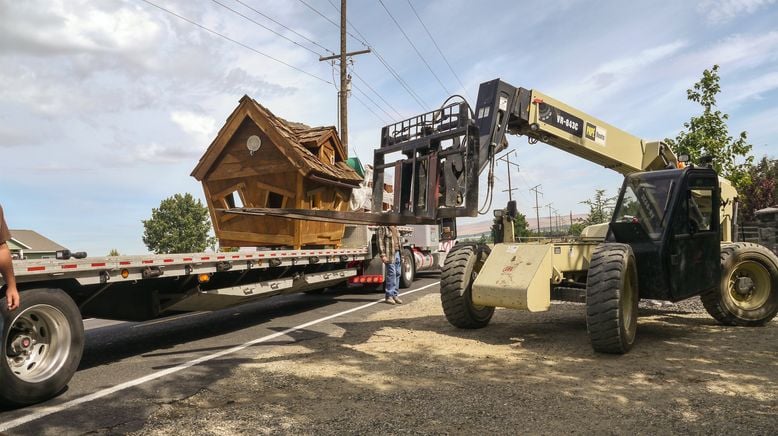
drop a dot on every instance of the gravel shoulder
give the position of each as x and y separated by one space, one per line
405 370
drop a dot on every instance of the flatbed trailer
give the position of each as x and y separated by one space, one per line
43 339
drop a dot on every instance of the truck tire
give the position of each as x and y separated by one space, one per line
612 298
460 269
42 345
748 292
407 268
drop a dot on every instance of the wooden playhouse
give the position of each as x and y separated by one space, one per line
260 160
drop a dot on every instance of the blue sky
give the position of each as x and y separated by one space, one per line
105 107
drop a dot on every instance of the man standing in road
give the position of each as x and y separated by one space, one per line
6 265
389 249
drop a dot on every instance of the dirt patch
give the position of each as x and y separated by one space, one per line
405 370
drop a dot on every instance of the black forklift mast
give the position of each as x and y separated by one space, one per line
437 157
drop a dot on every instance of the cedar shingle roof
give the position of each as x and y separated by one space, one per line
294 138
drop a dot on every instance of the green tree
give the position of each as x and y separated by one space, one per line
763 191
180 225
114 252
600 209
576 228
707 134
520 226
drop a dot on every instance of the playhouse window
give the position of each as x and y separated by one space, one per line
275 200
314 200
234 199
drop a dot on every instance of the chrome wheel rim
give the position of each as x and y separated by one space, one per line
38 343
407 268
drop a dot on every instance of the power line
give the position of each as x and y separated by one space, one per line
380 58
407 38
368 108
333 23
437 47
353 85
194 23
526 184
376 93
399 79
286 27
265 27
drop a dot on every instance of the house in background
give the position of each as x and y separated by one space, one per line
29 244
263 161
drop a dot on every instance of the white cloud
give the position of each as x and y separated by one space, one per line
615 74
744 50
63 28
155 153
197 125
751 89
722 11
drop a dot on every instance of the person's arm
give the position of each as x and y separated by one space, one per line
381 239
7 270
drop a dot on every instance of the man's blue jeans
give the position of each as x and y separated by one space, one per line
393 270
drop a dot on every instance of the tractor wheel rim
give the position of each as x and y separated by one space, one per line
38 343
759 292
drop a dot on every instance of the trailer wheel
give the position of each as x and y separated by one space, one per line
42 345
748 292
460 269
408 271
612 298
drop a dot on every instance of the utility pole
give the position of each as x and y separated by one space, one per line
507 159
345 79
537 208
550 223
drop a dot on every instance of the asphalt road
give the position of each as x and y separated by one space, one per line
130 369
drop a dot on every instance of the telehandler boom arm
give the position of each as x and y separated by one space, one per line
445 150
542 118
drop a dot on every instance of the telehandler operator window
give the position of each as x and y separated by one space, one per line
700 209
645 201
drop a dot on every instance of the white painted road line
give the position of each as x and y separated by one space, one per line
168 319
139 381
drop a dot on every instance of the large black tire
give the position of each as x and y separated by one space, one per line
612 298
407 268
42 343
460 269
748 292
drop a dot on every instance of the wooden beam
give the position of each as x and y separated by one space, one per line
258 238
235 171
274 188
211 208
388 218
298 225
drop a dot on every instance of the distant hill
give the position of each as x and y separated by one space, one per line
479 228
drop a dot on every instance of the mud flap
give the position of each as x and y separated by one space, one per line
516 276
